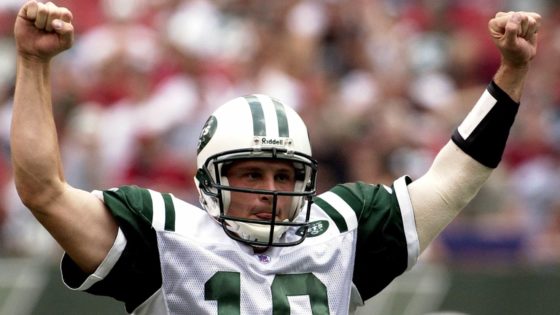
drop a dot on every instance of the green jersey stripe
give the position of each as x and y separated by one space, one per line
169 212
259 125
147 204
283 129
343 208
333 214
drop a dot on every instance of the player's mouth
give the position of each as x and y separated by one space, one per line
263 216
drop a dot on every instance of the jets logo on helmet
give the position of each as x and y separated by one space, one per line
207 133
256 127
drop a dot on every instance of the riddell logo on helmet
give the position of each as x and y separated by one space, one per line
265 141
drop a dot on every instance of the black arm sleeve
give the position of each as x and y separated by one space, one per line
487 141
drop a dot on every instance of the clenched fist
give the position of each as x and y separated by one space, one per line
515 34
42 30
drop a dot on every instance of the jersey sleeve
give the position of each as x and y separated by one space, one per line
136 274
382 249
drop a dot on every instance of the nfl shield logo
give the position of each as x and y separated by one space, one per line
265 259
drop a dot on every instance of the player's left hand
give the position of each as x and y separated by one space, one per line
515 34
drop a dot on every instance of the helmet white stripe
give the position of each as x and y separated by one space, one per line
271 120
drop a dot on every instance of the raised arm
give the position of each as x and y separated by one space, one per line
463 165
78 221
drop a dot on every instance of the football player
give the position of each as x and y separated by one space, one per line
265 242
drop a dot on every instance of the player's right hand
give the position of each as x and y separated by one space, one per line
42 30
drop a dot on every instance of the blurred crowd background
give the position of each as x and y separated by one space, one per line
380 83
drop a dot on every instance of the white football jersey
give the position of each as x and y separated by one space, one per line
171 257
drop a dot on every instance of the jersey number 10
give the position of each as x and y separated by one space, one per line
225 288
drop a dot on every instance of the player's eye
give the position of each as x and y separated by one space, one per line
283 177
252 175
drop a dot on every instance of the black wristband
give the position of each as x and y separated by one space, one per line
484 132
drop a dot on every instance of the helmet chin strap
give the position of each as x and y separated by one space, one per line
257 232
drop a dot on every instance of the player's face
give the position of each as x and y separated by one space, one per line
259 174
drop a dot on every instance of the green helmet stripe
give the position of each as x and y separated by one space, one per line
259 124
283 130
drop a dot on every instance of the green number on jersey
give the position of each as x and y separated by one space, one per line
299 284
225 287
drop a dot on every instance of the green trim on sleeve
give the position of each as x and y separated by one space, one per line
169 212
333 213
350 193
